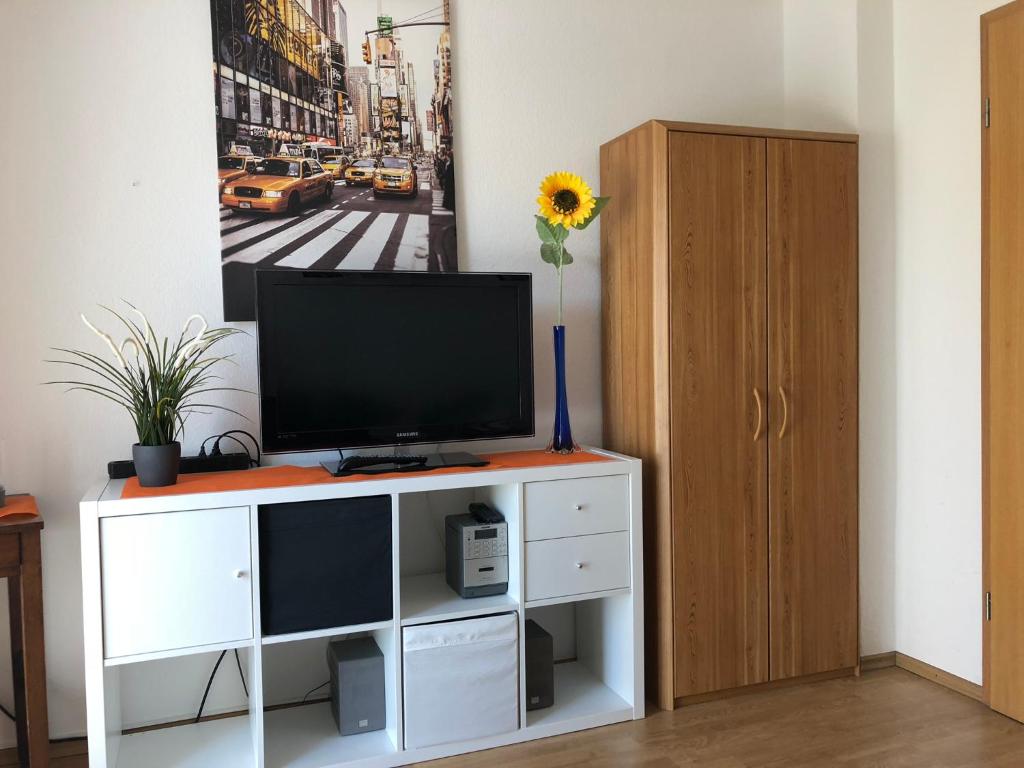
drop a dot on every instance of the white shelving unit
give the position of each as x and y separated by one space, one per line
596 612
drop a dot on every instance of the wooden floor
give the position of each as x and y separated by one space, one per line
888 718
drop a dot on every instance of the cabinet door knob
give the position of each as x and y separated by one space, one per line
239 574
579 507
579 564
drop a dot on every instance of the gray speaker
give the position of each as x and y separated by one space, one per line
540 667
357 685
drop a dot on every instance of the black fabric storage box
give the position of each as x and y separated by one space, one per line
325 564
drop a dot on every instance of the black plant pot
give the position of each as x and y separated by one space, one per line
157 465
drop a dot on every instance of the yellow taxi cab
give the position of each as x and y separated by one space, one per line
335 165
360 173
280 184
395 176
231 167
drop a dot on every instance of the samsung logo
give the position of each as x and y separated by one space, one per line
407 434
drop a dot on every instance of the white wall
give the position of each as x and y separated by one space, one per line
938 331
108 123
878 363
820 57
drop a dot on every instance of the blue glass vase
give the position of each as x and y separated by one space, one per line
561 437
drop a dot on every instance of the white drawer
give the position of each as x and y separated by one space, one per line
577 565
558 508
175 580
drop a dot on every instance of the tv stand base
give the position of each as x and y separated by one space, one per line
389 464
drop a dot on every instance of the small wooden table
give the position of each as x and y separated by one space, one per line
21 563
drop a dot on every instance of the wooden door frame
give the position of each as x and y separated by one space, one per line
1017 6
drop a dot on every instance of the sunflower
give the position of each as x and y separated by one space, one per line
565 199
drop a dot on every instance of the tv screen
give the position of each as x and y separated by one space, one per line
356 359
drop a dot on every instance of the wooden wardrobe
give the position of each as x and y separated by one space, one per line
729 261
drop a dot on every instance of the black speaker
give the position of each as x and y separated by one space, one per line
325 564
540 667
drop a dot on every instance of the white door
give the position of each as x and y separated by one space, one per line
175 580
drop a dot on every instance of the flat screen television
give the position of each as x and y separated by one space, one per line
353 359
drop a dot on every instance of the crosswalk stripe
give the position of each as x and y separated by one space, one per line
307 255
240 236
237 223
415 245
364 254
269 245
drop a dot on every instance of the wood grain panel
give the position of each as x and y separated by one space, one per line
717 285
1003 355
812 328
634 342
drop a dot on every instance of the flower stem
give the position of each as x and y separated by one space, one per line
560 256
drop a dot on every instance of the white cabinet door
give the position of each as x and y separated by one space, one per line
175 580
576 565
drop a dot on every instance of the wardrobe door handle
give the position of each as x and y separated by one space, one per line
757 399
785 412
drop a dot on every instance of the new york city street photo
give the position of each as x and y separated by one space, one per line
334 138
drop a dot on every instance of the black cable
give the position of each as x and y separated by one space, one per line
255 442
202 446
216 446
314 690
208 684
7 712
238 662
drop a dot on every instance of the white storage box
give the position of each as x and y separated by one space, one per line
461 680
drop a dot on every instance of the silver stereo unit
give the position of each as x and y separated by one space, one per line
476 555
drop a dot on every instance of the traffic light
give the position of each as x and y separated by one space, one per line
366 52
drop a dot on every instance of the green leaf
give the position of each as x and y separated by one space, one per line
544 230
551 253
566 257
599 204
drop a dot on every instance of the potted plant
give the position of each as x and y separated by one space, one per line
157 382
566 203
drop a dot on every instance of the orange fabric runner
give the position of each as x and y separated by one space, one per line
22 504
290 475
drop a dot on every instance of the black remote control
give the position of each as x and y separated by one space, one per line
485 514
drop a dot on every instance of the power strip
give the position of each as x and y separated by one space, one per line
121 470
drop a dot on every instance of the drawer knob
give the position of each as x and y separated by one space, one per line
579 564
579 507
239 574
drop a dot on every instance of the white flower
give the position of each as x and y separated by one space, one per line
106 338
134 345
150 337
196 342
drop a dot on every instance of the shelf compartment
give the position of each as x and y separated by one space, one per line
306 737
580 696
225 743
428 598
328 632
